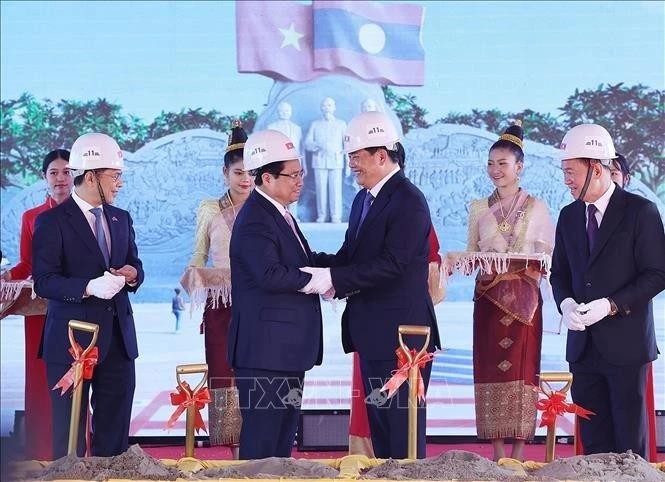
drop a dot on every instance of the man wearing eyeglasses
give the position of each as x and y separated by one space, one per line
276 330
85 262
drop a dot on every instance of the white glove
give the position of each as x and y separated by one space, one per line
106 286
570 317
320 282
594 311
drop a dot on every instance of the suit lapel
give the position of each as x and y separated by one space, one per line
377 206
304 242
611 219
81 227
354 216
283 225
579 230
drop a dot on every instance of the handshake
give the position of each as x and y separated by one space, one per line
320 284
106 286
577 317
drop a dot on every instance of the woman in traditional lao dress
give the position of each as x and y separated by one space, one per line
214 224
507 315
55 169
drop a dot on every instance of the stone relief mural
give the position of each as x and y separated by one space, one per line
166 179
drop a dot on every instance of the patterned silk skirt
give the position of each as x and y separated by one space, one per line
506 362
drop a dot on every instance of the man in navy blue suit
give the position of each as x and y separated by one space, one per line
608 264
381 269
276 331
85 262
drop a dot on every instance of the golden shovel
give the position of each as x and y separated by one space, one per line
545 378
78 378
191 409
413 382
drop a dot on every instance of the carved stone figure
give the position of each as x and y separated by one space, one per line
324 139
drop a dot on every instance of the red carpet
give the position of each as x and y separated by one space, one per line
531 452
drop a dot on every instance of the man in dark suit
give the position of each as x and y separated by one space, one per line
382 270
85 262
276 331
608 264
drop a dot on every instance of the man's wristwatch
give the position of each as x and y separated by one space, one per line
613 307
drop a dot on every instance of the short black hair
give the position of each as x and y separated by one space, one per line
177 290
622 164
274 168
52 156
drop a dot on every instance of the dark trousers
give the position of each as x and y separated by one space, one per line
270 406
388 418
617 396
112 385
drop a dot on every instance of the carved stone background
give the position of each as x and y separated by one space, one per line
166 179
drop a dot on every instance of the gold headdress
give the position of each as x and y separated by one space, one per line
510 134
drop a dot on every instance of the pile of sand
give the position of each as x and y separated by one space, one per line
615 467
451 465
133 464
271 468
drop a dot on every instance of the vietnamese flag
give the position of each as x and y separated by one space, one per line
275 39
375 41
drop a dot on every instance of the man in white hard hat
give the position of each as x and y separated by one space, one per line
85 262
276 331
382 270
608 264
293 131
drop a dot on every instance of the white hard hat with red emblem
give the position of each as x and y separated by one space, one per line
370 129
268 146
95 151
588 141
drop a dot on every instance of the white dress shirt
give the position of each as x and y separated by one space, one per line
85 207
601 204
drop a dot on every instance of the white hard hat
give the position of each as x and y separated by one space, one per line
370 129
589 141
268 146
95 151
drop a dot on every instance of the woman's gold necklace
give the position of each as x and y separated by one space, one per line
504 225
233 207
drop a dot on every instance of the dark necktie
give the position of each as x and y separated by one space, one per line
363 214
591 226
100 235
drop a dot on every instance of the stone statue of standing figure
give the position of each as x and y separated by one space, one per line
325 141
293 131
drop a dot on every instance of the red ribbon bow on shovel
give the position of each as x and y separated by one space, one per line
183 398
402 373
555 404
89 360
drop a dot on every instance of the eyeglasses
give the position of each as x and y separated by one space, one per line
294 176
115 177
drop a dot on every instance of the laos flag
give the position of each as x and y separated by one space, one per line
375 41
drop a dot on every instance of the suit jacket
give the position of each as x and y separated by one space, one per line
273 326
383 271
66 257
627 264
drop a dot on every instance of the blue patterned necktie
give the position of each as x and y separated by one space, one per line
363 214
100 235
591 226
